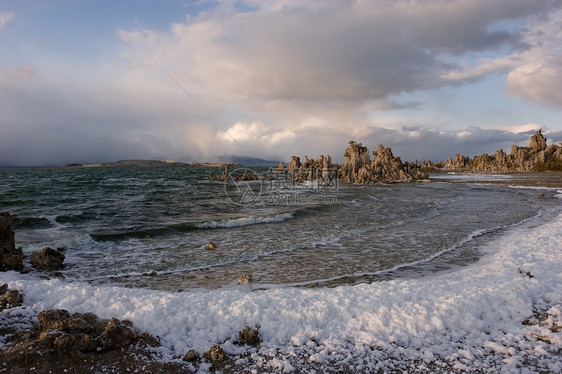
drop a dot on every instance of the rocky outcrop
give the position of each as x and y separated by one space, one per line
384 168
240 174
11 258
9 298
357 168
460 161
536 157
75 343
321 170
48 259
294 165
357 163
116 334
538 141
83 332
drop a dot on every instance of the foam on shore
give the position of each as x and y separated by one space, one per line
463 320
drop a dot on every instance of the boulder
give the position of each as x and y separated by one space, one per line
11 258
116 334
61 320
70 342
215 354
244 278
48 259
191 355
84 332
9 298
249 335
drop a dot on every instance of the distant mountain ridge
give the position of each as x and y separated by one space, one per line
247 161
146 163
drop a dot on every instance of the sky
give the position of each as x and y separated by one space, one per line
100 81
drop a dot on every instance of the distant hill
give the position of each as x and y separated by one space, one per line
247 161
145 163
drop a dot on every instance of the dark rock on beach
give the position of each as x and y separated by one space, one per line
249 335
48 259
79 343
84 332
191 355
116 334
215 354
11 258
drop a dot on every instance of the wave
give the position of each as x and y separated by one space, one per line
147 233
245 221
31 222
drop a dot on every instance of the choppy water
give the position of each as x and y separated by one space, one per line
149 226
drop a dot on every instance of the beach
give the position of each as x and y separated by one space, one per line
498 313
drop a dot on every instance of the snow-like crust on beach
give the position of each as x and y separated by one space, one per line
469 319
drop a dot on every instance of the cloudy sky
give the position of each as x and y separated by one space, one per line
96 81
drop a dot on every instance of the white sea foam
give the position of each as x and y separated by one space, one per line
245 221
470 176
466 320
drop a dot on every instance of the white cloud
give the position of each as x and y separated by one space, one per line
5 17
283 77
137 36
539 81
534 72
329 50
256 133
526 128
486 68
243 132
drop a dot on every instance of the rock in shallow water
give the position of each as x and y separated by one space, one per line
9 298
11 258
47 259
244 278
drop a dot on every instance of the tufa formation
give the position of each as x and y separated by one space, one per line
358 167
536 157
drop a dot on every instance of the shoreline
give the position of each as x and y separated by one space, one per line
513 292
547 179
